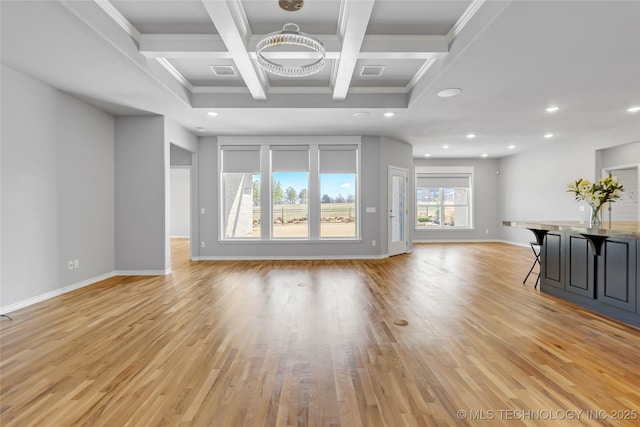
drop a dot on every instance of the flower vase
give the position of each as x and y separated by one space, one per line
594 221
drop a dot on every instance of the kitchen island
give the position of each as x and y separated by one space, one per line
597 268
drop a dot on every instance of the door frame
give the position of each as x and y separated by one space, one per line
606 170
402 246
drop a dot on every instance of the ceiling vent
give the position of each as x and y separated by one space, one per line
371 70
223 70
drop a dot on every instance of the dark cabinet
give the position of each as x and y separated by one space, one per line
608 283
580 266
617 273
551 260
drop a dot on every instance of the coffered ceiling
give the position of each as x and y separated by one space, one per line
184 59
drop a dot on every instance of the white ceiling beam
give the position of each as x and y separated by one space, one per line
183 46
201 99
231 23
354 15
211 46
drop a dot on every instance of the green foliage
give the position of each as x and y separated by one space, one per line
278 193
326 198
291 195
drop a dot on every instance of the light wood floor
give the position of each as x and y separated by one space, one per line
314 343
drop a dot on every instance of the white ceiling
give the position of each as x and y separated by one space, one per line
511 59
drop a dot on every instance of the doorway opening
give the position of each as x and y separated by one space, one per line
626 208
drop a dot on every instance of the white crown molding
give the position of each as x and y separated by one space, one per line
175 73
119 19
464 19
421 72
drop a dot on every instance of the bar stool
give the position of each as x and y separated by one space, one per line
536 251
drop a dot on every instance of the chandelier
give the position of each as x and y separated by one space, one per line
290 36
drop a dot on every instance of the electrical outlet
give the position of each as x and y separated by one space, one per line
202 245
486 230
201 211
70 264
581 208
76 263
373 243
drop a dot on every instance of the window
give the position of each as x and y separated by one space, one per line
240 189
443 200
289 177
297 192
338 167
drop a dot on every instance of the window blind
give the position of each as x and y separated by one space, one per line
443 180
241 159
289 158
338 159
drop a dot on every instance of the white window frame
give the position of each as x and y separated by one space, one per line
313 192
445 170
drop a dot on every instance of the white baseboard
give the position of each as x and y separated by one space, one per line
43 297
456 241
143 272
287 258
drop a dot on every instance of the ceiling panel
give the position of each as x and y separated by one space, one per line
321 79
396 73
199 73
315 17
166 17
414 17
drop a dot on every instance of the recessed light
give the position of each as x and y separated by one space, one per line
427 155
548 135
361 114
212 114
200 129
389 114
485 155
448 93
633 109
552 109
511 147
471 135
445 146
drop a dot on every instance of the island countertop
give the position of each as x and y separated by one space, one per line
625 229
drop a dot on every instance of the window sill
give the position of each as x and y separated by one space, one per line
254 241
446 229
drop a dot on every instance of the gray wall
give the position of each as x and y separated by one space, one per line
485 202
57 190
180 156
180 202
532 185
184 151
622 155
373 193
398 154
141 187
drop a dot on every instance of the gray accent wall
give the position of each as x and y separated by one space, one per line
57 190
141 187
399 154
486 224
376 154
